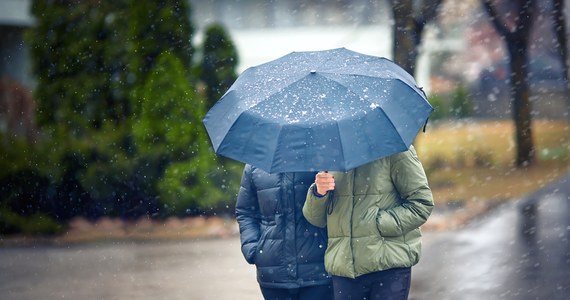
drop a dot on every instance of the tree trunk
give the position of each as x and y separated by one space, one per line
560 30
522 107
409 24
404 47
517 38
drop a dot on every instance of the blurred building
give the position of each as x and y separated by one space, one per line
460 48
262 30
17 107
265 30
14 18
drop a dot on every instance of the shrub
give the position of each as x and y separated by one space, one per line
219 63
461 106
439 108
170 130
11 223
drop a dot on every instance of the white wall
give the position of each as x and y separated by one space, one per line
15 12
257 46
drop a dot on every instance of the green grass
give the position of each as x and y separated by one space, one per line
475 160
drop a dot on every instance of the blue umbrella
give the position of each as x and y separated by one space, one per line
322 110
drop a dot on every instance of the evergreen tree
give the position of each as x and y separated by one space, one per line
75 61
170 112
156 26
219 62
89 56
74 68
120 133
170 129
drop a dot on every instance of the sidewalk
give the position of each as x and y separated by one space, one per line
207 269
521 250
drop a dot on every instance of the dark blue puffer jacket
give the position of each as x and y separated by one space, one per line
275 236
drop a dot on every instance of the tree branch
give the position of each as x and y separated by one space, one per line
500 27
430 10
524 23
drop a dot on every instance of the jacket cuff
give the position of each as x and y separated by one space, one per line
317 193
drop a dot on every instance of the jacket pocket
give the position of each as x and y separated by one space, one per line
259 247
369 224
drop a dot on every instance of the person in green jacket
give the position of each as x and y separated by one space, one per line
372 214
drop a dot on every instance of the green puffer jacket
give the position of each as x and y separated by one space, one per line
377 209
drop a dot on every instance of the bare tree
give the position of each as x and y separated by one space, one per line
516 32
410 18
560 30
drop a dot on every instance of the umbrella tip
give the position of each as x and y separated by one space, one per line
313 71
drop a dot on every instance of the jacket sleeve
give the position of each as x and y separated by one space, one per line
314 208
248 215
411 183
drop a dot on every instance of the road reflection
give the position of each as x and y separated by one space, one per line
519 251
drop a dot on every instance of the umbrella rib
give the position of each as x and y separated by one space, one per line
393 126
278 90
341 148
408 84
274 152
396 79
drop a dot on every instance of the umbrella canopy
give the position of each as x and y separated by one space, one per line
321 110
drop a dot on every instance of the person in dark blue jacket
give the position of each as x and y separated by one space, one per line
286 249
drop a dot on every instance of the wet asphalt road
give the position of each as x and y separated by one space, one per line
519 251
199 269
